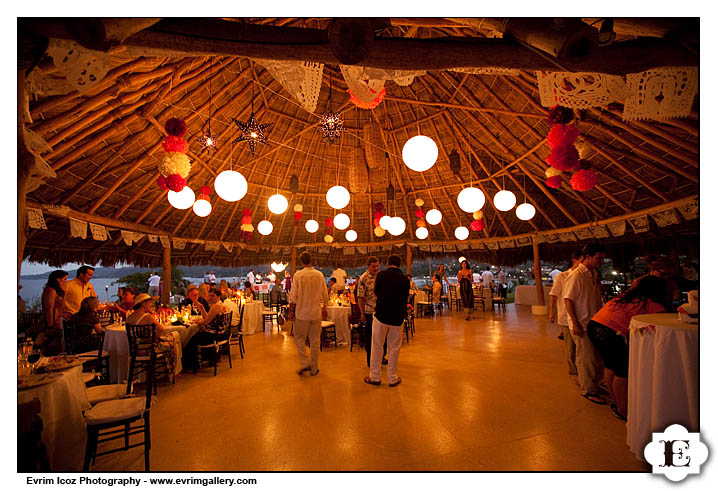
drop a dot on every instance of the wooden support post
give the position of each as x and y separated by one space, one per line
25 163
537 276
293 264
166 275
408 259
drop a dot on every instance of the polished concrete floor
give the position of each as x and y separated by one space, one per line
490 394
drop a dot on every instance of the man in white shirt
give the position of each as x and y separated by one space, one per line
234 308
307 307
250 277
582 298
487 278
553 274
558 307
212 278
271 277
501 277
341 276
154 282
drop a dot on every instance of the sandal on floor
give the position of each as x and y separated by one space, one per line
398 381
618 415
594 398
367 380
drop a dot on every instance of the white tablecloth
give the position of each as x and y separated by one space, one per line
526 294
340 317
252 321
64 433
662 377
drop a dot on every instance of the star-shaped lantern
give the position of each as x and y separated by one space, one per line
208 141
331 126
252 132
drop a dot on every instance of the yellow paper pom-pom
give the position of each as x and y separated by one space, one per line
552 171
478 215
328 239
174 163
298 207
379 232
419 202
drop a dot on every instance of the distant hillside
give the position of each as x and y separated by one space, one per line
187 271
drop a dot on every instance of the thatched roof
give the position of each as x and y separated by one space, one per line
106 141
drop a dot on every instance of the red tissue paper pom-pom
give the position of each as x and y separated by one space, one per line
379 207
554 182
378 214
176 183
175 144
584 180
329 222
297 215
246 220
175 127
560 115
206 190
162 183
246 212
584 164
477 225
420 223
376 222
563 158
562 134
419 213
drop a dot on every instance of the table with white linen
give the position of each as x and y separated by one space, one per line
64 431
252 321
419 296
662 377
339 315
526 294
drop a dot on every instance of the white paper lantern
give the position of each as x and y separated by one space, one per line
461 233
277 204
311 226
433 216
351 235
265 227
462 259
525 211
202 207
471 199
397 226
504 200
420 153
422 233
230 185
338 197
385 222
341 221
278 267
182 200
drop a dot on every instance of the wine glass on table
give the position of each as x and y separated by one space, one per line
33 358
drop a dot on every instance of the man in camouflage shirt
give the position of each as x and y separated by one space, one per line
366 299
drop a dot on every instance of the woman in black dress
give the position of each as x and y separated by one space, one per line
466 279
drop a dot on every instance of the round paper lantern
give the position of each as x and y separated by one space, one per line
278 267
385 222
311 226
422 233
379 232
478 215
230 185
461 233
265 227
419 202
182 200
277 204
328 239
420 153
525 211
477 225
504 200
351 235
202 207
341 221
298 207
338 197
397 227
433 216
471 200
462 259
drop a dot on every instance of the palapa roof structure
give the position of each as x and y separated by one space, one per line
480 88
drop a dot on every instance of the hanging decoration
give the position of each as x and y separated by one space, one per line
560 115
331 124
553 178
311 226
504 200
252 132
419 202
470 200
455 163
175 164
246 228
420 153
525 211
341 221
397 226
478 215
433 216
461 233
477 225
328 239
421 233
208 140
562 134
379 232
202 207
265 227
182 199
298 214
564 157
584 180
338 197
351 235
372 103
277 204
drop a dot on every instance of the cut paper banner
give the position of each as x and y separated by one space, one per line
98 232
35 218
78 228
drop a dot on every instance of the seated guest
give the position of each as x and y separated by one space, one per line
234 308
224 288
333 286
193 297
141 315
436 288
249 291
87 326
608 330
125 306
207 335
275 295
204 292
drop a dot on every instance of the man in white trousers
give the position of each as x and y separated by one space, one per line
392 292
307 306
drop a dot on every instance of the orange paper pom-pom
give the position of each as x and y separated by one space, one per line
584 180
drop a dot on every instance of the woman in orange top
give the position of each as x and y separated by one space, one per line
608 331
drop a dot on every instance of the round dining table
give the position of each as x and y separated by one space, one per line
662 377
252 321
339 315
62 402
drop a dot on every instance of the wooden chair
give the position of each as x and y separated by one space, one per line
98 361
499 299
221 327
426 307
479 297
31 450
271 313
356 328
235 334
144 355
329 333
454 299
115 419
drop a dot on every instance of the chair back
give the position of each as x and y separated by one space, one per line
141 340
68 332
221 325
241 318
106 317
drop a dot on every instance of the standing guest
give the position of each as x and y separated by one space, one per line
553 274
557 306
275 294
392 292
87 324
366 299
466 280
193 298
141 315
608 330
207 335
307 304
582 297
250 276
49 339
78 289
205 277
120 293
154 285
271 277
212 278
442 274
501 277
341 276
487 279
287 281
